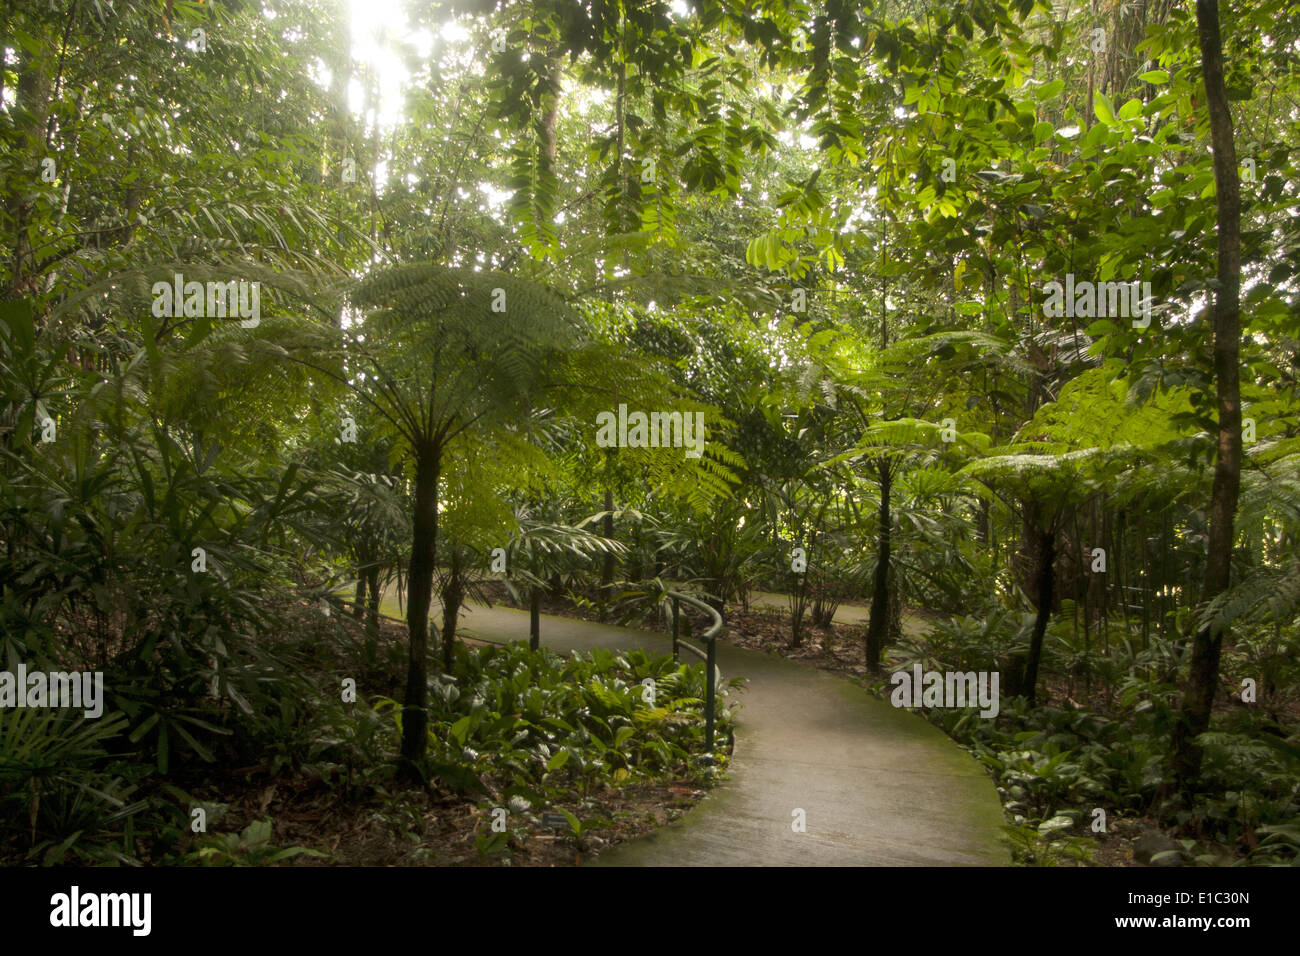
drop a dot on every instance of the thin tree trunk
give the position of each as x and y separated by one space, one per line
1207 645
798 605
878 627
372 602
1027 685
607 562
534 618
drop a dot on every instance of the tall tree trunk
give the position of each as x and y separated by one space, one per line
424 541
1037 562
1203 675
878 626
1027 686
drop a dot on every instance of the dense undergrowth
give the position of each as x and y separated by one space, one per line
524 731
1099 750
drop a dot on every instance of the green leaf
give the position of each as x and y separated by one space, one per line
1058 822
560 758
1048 90
460 730
144 728
1102 106
1131 110
259 831
1154 76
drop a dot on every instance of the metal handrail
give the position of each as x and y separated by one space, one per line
710 656
710 638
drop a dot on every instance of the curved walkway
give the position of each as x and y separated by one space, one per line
878 786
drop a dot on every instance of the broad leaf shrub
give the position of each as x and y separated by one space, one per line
534 725
530 728
1053 766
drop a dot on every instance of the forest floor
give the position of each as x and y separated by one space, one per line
438 826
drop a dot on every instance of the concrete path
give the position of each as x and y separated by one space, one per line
877 786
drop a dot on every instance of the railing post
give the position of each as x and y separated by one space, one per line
708 696
676 608
710 655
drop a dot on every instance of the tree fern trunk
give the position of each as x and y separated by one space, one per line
415 717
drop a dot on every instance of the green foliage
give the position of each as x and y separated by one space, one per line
539 550
251 847
533 724
967 643
1034 846
56 797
